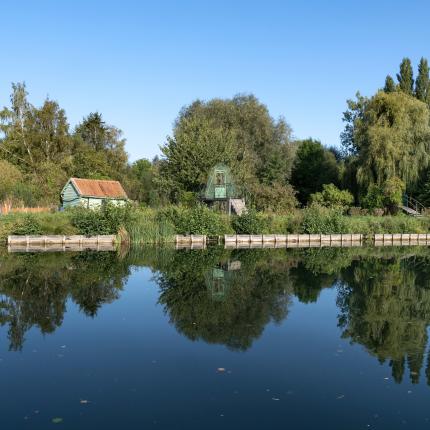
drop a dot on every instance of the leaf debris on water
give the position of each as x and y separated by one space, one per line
57 420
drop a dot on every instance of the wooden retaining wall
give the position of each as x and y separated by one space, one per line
294 240
192 239
61 240
401 239
56 243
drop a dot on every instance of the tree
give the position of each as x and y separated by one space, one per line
140 182
238 132
353 116
13 124
391 138
313 167
102 139
11 177
34 135
390 86
38 141
405 77
422 83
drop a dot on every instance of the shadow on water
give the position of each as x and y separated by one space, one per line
229 296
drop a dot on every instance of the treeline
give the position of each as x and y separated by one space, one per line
385 152
39 152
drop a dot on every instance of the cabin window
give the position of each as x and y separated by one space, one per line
219 178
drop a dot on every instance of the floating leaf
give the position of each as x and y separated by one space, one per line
57 420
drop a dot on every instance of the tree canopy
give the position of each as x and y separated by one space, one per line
238 132
391 137
313 167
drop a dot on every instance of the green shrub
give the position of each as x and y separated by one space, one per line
277 197
374 197
197 220
393 192
389 195
107 219
319 219
28 225
250 222
332 197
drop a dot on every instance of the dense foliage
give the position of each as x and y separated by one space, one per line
314 166
387 139
238 132
332 197
108 219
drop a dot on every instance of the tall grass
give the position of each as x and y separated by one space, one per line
146 227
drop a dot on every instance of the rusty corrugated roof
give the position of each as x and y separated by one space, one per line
99 188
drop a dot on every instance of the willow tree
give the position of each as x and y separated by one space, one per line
391 138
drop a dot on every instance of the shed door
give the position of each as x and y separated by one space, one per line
220 186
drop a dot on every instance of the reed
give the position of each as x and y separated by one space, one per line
147 228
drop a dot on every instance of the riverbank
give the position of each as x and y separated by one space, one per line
156 226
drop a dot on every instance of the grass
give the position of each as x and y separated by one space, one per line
48 223
146 227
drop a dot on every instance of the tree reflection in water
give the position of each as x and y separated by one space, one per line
385 306
229 297
34 288
208 296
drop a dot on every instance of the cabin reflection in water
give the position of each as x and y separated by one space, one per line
220 278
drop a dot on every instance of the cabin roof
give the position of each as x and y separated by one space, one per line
99 188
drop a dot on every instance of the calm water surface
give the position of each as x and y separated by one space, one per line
158 338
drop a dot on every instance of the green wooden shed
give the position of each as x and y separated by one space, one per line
222 190
220 184
91 193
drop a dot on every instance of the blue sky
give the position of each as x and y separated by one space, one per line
139 62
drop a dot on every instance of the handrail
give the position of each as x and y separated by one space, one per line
412 203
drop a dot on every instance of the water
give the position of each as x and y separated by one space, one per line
158 338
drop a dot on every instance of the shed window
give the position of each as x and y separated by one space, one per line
219 178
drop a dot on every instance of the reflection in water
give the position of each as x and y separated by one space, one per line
34 288
385 306
207 297
229 297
